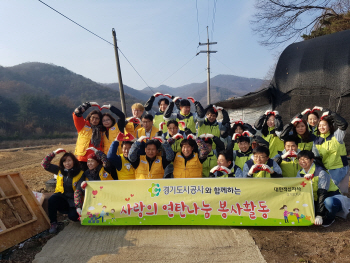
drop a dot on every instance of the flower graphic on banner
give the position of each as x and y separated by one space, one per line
154 190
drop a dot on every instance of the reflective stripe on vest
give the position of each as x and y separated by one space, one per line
192 169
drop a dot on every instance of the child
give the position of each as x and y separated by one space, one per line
285 213
150 166
211 160
147 130
296 213
98 169
185 114
261 166
225 167
328 200
125 170
68 174
270 124
287 158
244 152
188 163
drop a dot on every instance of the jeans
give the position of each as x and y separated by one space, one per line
333 206
58 203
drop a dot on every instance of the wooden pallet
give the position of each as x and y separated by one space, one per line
21 215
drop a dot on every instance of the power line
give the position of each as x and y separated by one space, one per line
98 37
76 23
177 70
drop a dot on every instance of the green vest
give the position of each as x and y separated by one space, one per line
242 158
210 129
261 174
158 118
189 121
332 152
315 170
176 147
275 143
208 164
289 166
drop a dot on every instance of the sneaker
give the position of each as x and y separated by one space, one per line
327 222
53 228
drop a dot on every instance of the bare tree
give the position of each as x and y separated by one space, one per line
278 21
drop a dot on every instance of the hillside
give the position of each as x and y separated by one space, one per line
222 88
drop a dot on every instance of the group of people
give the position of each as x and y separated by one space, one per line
174 142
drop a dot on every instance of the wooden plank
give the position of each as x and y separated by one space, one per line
17 234
11 196
2 226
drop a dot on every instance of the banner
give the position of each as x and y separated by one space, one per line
207 201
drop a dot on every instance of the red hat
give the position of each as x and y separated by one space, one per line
93 156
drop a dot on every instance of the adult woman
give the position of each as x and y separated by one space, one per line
188 163
300 130
112 126
312 118
68 174
90 131
238 128
271 125
330 145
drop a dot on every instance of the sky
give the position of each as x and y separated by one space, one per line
159 38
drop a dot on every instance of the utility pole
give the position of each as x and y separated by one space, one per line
208 58
120 81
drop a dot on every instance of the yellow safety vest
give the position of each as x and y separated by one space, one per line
130 128
59 183
210 129
209 163
127 172
83 141
142 132
192 169
275 143
189 121
112 134
158 118
143 171
242 158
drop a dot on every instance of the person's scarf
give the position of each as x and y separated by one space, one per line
96 135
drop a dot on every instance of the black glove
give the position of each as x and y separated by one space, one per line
188 131
81 109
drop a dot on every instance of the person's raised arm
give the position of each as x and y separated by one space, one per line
112 156
46 162
121 116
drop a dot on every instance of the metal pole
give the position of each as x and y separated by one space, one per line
120 81
208 80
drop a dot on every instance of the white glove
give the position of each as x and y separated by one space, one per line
202 136
214 169
317 108
95 104
325 114
208 135
308 176
176 98
183 124
267 112
284 156
267 168
318 220
92 149
59 150
235 136
247 134
157 94
178 136
79 211
251 170
191 136
306 111
275 113
142 138
296 120
106 107
83 185
158 138
161 125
